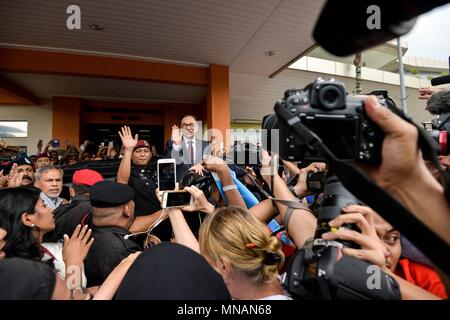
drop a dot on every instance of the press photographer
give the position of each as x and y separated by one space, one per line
439 106
299 116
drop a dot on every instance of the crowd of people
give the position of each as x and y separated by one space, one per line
111 239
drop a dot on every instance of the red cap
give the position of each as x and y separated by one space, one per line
42 155
142 144
86 177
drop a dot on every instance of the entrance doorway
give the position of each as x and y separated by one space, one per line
99 133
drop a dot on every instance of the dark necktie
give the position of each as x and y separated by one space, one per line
191 152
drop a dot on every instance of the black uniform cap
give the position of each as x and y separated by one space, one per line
108 194
22 159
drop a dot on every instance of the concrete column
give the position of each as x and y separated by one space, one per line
218 102
66 120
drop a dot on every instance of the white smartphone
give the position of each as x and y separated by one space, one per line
176 199
166 174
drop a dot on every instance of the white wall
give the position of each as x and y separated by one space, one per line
39 123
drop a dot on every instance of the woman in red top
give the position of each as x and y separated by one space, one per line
415 273
380 245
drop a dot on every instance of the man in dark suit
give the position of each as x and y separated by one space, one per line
185 148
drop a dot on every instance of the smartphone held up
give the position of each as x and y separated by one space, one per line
176 199
166 174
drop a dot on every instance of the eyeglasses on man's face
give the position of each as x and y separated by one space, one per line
188 125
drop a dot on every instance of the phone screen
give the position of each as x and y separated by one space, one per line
178 199
166 176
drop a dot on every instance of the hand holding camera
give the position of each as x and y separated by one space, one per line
371 250
199 201
301 188
268 165
401 162
214 164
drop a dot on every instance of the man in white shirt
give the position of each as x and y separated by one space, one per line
185 148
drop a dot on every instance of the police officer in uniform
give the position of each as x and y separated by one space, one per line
113 214
138 172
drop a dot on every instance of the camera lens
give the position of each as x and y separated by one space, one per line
330 97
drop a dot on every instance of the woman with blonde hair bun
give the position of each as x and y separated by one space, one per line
241 249
236 245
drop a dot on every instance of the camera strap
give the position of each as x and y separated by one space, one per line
364 188
290 204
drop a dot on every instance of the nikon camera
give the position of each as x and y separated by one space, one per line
323 272
338 119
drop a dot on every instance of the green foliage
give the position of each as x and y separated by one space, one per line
414 70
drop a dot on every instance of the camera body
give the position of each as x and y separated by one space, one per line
323 271
335 276
339 120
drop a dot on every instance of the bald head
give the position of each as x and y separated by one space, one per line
118 216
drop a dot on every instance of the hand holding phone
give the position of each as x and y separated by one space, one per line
166 174
176 199
315 181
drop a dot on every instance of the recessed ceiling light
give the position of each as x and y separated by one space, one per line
269 53
96 27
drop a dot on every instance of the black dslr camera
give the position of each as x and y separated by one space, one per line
339 120
323 272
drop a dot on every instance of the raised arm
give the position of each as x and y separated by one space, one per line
263 211
128 144
217 165
183 234
301 224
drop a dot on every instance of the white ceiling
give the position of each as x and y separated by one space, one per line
232 32
43 85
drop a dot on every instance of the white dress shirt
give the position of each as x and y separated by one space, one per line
177 147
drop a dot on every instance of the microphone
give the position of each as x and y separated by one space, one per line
439 103
440 80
